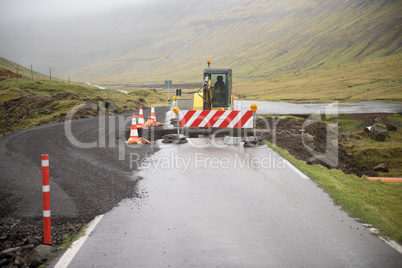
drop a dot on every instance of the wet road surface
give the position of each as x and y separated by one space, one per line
204 206
266 107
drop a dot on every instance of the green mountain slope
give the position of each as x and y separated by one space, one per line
260 40
22 71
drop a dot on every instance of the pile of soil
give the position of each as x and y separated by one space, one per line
29 105
289 134
8 73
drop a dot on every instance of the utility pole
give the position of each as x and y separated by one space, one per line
31 73
50 72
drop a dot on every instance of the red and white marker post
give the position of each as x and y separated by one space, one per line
46 200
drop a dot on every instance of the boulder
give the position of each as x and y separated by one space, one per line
379 132
384 121
313 161
381 168
38 256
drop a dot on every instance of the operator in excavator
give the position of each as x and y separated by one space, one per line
220 89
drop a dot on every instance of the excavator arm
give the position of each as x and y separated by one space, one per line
207 94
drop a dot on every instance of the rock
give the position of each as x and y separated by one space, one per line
391 127
309 137
9 252
4 261
381 168
385 122
378 120
33 240
38 256
18 261
378 132
313 161
3 237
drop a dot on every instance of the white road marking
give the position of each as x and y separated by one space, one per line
69 255
393 244
304 176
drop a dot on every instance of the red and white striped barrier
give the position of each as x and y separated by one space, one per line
46 200
216 119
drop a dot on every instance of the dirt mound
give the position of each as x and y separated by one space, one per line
8 73
310 144
13 111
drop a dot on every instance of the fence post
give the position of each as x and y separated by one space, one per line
46 200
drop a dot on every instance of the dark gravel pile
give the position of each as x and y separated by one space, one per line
86 179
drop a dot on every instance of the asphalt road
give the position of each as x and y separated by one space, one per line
203 206
266 107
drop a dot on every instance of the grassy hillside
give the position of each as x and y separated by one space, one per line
379 79
29 103
277 49
9 66
262 39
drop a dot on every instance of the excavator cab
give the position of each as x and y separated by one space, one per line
217 90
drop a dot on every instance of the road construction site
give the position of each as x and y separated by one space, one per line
87 182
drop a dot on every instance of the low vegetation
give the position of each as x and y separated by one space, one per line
28 103
369 152
378 79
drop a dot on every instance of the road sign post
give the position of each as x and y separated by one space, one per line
168 85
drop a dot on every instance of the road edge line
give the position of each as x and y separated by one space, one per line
69 255
301 174
393 244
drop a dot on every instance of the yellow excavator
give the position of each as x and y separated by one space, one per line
216 93
212 111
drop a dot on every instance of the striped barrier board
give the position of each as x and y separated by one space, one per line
216 119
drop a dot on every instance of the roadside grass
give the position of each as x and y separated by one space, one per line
379 79
28 103
374 202
368 151
372 153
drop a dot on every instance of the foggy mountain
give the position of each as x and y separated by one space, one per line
161 40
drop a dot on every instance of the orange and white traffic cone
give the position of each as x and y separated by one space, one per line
153 117
150 122
141 123
153 114
134 134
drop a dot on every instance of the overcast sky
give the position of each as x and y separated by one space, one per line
20 10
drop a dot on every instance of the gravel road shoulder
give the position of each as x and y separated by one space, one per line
84 182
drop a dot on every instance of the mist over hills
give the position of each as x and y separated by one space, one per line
172 40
